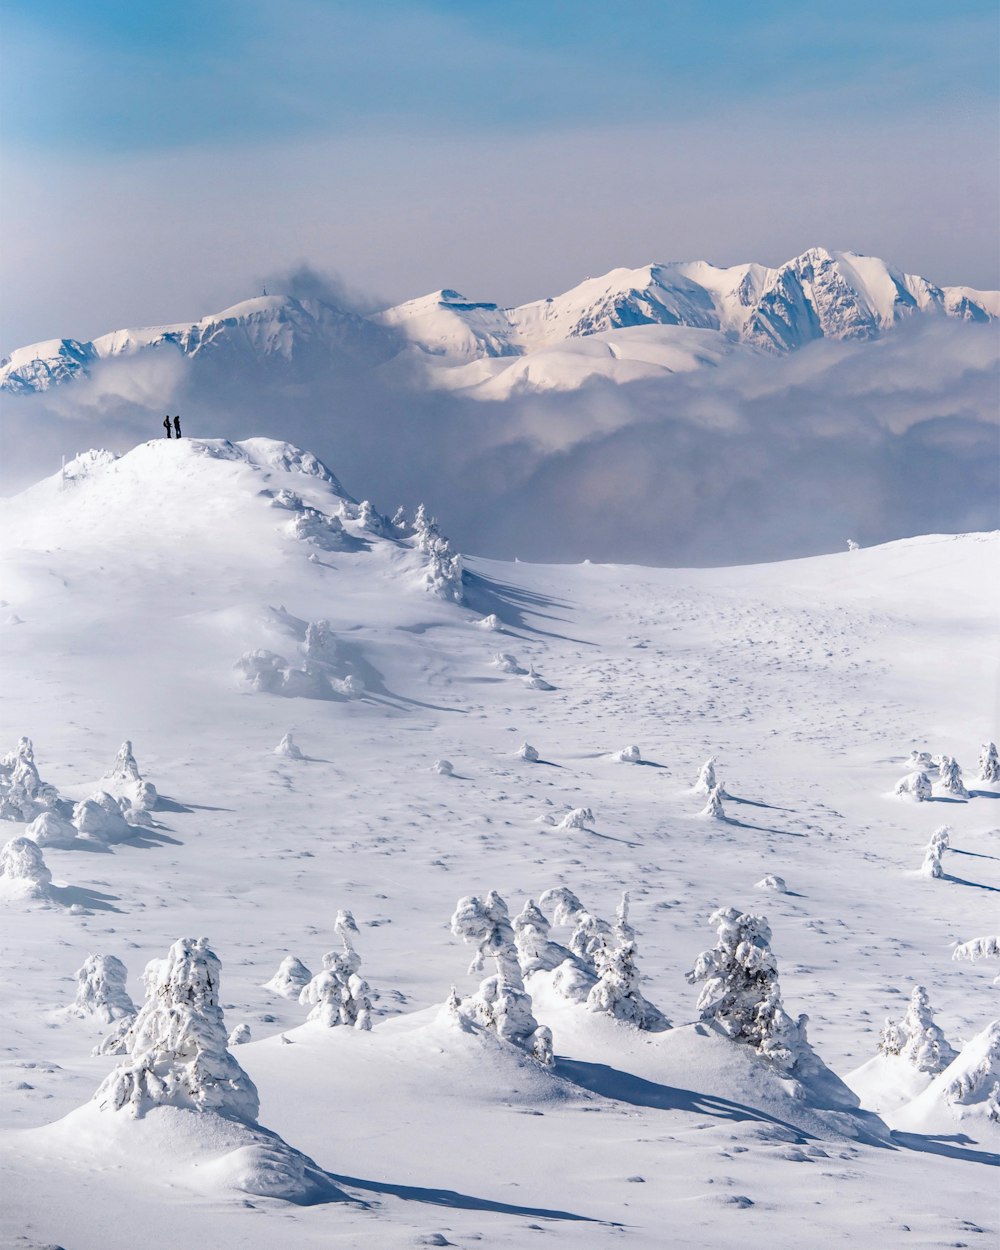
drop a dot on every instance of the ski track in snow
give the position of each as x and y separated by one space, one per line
137 589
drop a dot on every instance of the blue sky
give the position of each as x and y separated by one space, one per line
161 158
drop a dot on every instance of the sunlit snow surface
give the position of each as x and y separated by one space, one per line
130 592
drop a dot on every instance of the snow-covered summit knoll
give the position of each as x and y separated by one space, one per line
820 294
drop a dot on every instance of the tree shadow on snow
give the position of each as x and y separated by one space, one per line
773 807
461 1202
952 1147
510 603
954 850
782 833
79 896
974 885
984 794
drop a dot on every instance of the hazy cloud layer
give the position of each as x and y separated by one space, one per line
760 458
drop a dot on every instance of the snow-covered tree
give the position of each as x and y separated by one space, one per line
100 819
617 990
950 777
177 1053
852 545
916 786
741 993
312 526
502 1004
101 989
891 1038
290 979
51 829
926 1048
713 809
936 847
339 995
23 794
989 762
528 753
919 761
706 782
399 521
975 1076
23 872
442 566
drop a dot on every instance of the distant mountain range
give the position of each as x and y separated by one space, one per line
626 325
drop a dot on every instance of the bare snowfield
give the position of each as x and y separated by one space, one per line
130 593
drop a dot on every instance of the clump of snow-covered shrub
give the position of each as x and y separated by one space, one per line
915 786
370 519
270 673
312 526
177 1051
713 809
506 663
101 990
288 749
979 948
936 847
100 819
501 1004
338 995
771 882
240 1035
51 829
491 622
578 818
950 777
989 762
528 753
445 767
741 994
536 952
919 761
629 755
290 979
287 500
706 781
23 872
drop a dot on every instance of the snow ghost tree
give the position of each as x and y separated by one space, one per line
950 777
23 872
713 809
741 994
891 1038
442 573
287 748
502 1004
371 520
936 847
177 1051
975 1076
989 762
536 952
101 990
23 794
290 979
915 786
125 781
617 990
926 1047
338 995
706 782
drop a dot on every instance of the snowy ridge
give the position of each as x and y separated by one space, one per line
820 294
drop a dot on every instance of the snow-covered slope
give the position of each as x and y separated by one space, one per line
135 589
820 294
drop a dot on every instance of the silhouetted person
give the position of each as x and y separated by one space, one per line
166 424
177 427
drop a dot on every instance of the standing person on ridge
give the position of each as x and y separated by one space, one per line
177 426
166 424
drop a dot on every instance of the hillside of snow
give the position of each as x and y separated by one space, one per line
819 295
331 712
